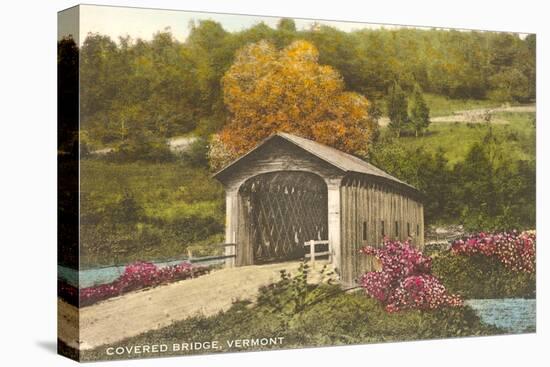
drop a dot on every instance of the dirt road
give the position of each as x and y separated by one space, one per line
135 313
474 116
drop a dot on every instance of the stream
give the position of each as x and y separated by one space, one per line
515 315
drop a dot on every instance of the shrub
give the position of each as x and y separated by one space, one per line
515 250
405 281
293 294
433 248
479 276
219 154
142 146
136 276
197 153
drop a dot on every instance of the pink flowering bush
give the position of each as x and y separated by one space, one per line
137 276
405 280
513 249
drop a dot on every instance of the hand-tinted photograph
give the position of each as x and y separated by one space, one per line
232 183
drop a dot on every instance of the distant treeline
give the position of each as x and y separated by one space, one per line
164 87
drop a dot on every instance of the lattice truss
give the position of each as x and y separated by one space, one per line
286 209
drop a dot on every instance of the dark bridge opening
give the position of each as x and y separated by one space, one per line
285 209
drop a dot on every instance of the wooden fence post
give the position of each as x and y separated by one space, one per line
189 257
312 253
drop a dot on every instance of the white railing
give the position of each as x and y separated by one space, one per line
312 250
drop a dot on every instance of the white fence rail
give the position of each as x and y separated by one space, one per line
313 253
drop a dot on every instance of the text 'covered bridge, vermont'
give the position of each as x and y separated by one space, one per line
290 190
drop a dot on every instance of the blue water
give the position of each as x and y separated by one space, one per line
515 315
96 276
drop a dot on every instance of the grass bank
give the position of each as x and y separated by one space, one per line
144 211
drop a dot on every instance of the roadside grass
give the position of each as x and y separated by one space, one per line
342 319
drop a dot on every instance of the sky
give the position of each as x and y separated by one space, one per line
144 23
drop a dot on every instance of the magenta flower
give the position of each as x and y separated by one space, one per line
140 275
405 281
515 250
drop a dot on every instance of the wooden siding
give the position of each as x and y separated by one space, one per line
367 201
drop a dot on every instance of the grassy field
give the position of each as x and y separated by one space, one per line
147 211
443 106
456 138
150 183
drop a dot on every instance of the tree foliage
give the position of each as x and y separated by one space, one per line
397 107
67 94
267 90
136 90
419 114
134 94
487 190
175 87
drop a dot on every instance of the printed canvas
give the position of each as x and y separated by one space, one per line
233 183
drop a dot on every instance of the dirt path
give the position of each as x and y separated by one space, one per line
135 313
181 143
474 116
177 144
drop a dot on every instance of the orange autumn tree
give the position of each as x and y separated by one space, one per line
268 90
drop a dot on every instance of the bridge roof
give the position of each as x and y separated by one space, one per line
341 160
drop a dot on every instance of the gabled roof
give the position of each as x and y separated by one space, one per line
344 161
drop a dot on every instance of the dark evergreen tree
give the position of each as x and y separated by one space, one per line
396 104
419 111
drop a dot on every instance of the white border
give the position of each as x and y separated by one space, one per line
28 181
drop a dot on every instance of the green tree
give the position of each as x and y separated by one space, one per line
286 24
337 49
419 111
429 173
437 182
396 104
67 95
211 50
529 65
286 32
493 191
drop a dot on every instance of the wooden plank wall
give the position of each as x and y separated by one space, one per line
370 202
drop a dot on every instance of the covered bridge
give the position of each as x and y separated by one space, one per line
290 190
